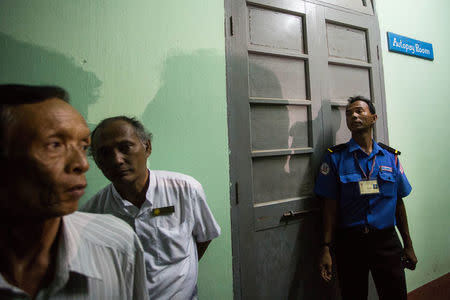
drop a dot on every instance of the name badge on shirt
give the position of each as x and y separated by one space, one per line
367 187
163 210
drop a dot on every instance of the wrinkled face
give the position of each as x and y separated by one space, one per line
44 170
359 117
120 154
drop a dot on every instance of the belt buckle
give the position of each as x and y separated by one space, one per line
365 230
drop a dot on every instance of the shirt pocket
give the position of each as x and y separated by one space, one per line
347 178
349 186
386 183
173 243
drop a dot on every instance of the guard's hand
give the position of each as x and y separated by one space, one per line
325 264
409 258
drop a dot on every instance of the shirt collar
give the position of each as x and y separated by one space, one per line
148 196
7 286
353 146
376 148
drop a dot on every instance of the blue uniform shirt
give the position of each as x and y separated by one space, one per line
339 178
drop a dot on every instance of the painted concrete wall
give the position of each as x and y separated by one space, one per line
162 61
417 96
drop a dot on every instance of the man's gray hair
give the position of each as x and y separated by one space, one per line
140 130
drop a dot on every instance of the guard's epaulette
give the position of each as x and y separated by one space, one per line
337 148
392 150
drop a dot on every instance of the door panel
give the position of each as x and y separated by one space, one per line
287 170
274 29
346 42
346 81
277 280
291 65
279 127
276 77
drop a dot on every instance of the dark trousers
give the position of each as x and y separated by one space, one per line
379 251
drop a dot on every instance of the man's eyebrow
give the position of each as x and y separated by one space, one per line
56 134
125 142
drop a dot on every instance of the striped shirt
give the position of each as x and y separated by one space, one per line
98 257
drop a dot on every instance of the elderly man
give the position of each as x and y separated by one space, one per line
363 183
47 250
167 210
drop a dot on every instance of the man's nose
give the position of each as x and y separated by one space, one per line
117 157
77 161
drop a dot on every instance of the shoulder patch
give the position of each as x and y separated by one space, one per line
324 168
387 148
337 148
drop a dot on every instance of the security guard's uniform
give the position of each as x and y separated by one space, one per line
366 188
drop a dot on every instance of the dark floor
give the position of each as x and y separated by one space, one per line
438 289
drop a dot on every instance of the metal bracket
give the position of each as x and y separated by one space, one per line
293 215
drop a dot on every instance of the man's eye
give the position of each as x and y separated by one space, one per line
124 148
54 145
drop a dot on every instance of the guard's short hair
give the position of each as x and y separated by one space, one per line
143 135
364 99
12 95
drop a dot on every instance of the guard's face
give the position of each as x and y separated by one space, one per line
47 160
359 117
120 154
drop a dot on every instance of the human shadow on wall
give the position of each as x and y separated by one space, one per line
180 112
25 63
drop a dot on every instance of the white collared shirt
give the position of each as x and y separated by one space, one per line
99 257
169 239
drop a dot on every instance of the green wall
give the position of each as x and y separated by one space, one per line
162 61
417 96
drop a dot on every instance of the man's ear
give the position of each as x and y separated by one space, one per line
148 148
375 118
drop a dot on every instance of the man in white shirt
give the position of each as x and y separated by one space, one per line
167 210
47 250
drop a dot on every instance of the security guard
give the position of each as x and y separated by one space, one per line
362 184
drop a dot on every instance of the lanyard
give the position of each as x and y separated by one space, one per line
371 170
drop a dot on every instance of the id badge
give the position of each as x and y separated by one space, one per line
367 187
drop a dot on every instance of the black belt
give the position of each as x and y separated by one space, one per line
365 229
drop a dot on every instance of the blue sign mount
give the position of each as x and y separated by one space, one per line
404 45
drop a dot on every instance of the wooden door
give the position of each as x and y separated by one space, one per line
290 66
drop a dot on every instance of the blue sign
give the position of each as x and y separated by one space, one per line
408 46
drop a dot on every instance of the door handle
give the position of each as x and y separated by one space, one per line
292 215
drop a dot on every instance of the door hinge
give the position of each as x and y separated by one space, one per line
378 52
236 192
231 26
364 2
